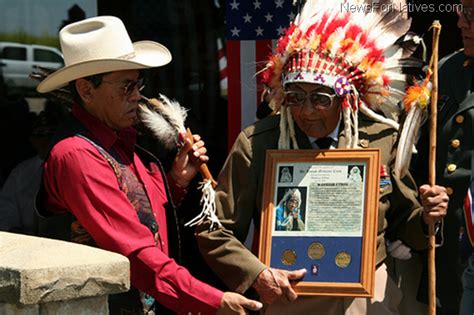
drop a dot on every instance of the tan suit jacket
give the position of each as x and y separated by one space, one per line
239 200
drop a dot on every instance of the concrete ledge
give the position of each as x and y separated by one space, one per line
85 306
37 270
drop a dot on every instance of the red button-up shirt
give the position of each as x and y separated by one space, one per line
78 179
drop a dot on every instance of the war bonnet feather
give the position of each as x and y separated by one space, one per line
360 54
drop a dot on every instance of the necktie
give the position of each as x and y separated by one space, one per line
324 143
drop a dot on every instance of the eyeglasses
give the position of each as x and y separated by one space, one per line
129 87
317 99
467 12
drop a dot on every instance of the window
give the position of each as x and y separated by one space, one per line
14 53
44 55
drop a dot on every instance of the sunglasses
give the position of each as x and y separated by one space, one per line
317 99
129 87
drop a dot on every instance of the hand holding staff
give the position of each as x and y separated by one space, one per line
165 119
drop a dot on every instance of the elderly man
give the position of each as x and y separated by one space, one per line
322 84
121 197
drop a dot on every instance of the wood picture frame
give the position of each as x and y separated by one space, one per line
332 229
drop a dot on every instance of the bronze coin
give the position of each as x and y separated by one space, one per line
288 257
343 259
316 250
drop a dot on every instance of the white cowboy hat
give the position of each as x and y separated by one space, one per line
98 45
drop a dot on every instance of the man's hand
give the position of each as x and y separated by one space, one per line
435 203
274 285
234 303
186 165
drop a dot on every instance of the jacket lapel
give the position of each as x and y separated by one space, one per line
468 102
302 139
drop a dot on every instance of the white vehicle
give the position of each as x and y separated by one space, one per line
17 61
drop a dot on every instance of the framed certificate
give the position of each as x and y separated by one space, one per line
320 211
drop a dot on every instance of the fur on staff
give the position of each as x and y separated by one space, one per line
164 118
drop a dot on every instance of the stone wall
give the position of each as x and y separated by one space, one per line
45 276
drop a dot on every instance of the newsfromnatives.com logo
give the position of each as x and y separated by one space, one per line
409 7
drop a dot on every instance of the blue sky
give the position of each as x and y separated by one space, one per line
39 17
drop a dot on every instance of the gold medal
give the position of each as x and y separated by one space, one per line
316 250
343 259
288 257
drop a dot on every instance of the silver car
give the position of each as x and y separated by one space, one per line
17 61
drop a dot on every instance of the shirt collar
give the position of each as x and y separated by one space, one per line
106 136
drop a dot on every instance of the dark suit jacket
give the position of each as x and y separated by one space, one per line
455 142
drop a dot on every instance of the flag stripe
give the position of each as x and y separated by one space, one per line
233 92
264 48
251 56
251 27
248 82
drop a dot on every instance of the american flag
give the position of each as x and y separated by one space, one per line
252 29
222 59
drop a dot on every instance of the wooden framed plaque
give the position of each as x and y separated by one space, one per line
320 211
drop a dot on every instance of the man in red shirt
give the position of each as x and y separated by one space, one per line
115 190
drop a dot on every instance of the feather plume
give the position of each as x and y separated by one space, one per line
416 101
159 127
172 111
407 140
377 117
165 119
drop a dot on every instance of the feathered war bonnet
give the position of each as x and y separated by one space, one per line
354 53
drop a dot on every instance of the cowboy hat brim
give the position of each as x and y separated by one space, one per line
148 54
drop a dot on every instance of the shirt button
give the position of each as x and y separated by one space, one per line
452 168
364 143
455 143
449 191
459 119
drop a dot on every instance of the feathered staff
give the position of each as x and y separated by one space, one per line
165 119
432 168
416 103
